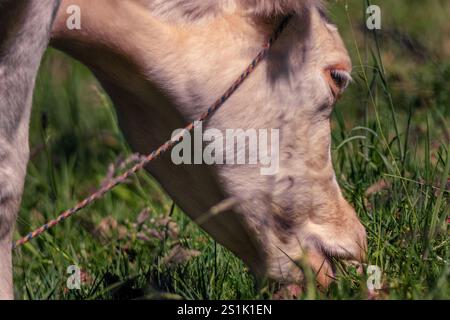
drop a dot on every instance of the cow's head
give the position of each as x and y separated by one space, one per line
164 62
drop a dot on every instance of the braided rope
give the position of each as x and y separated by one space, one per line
162 149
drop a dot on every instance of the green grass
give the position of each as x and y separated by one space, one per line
392 125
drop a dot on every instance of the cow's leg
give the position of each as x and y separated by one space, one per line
24 34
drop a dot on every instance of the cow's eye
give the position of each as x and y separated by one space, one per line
338 80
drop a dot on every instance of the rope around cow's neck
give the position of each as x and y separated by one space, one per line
162 149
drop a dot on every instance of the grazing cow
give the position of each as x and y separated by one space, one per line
163 62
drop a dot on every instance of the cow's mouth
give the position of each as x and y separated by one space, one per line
322 264
324 267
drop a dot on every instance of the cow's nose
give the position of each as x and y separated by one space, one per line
357 232
340 238
344 239
323 255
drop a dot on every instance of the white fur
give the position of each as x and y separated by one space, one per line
194 10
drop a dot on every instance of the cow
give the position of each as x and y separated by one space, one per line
163 63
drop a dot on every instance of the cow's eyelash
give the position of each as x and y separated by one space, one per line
341 78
